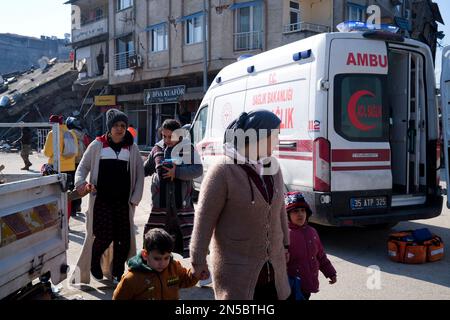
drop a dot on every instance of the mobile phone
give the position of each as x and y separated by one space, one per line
168 163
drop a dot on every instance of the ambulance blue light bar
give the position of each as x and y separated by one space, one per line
302 55
349 26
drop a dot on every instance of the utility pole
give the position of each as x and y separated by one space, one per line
205 50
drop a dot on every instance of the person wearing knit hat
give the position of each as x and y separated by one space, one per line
113 116
294 200
306 253
111 171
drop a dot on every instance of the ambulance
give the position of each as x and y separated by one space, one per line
359 123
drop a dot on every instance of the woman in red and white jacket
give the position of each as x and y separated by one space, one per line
306 253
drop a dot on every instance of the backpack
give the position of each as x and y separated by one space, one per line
69 148
86 139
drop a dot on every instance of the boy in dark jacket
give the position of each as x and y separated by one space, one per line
153 274
306 253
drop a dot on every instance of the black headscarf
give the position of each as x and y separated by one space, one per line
257 120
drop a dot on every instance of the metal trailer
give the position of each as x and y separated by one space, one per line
33 227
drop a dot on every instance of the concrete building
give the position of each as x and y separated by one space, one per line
35 95
425 15
155 54
90 43
19 53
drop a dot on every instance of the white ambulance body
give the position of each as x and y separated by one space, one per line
359 133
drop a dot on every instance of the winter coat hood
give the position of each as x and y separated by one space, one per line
137 263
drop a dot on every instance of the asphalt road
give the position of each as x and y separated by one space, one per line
359 256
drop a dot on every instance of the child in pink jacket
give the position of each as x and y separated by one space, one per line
306 253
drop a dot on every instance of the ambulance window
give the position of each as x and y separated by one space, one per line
199 127
360 110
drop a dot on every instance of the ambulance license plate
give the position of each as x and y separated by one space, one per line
368 203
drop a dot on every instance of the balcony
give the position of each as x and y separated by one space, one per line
122 60
86 21
305 26
90 30
248 40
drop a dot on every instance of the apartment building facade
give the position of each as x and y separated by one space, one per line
155 57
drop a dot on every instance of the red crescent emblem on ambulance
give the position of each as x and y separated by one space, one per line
351 109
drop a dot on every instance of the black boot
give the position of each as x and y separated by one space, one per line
96 270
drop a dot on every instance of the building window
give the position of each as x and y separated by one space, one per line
98 14
124 49
355 12
249 28
124 4
159 37
365 128
294 15
194 29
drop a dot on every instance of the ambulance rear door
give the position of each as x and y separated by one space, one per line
358 123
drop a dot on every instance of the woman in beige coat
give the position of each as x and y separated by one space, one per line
116 182
241 208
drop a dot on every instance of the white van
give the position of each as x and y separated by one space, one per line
359 133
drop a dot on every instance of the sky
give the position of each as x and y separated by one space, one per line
35 17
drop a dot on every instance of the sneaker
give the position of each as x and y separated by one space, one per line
97 276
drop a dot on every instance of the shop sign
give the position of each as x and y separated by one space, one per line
102 101
163 95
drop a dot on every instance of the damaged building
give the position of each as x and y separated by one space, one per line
34 95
